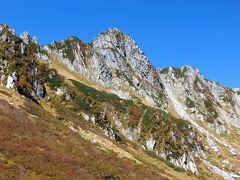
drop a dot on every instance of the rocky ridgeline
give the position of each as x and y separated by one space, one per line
18 65
201 99
209 106
114 61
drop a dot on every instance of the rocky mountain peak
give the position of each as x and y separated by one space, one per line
117 40
7 28
183 71
2 27
6 32
113 32
25 37
191 69
236 89
112 60
121 51
191 72
18 64
172 112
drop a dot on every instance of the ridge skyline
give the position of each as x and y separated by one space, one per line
201 34
125 34
110 83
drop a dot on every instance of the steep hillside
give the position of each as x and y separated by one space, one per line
34 144
106 96
114 61
18 66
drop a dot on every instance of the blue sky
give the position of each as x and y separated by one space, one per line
201 33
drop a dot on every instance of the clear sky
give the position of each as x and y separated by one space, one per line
201 33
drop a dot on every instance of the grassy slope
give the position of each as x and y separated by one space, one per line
91 92
34 144
68 74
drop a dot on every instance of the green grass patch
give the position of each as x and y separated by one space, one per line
178 71
208 104
33 46
82 104
148 119
56 81
182 124
210 108
95 94
120 73
164 71
189 103
152 154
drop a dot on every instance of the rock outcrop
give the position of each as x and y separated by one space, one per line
114 61
174 113
19 67
200 99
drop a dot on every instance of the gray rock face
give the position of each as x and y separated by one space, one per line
15 79
120 52
113 60
11 80
207 105
25 37
186 162
201 99
150 144
64 91
4 32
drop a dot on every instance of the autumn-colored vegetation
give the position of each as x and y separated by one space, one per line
34 144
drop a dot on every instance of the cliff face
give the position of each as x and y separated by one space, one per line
112 60
172 113
200 99
19 69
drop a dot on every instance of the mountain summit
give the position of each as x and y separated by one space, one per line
106 99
